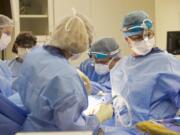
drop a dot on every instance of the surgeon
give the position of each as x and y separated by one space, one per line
6 29
51 88
104 53
22 45
145 84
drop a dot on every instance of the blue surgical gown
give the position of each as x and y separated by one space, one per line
151 86
5 79
98 82
15 66
52 91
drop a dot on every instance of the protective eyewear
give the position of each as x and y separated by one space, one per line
99 55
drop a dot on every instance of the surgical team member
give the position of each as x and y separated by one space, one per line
6 28
50 87
146 83
104 54
22 45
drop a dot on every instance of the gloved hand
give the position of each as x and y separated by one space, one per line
86 81
102 111
154 128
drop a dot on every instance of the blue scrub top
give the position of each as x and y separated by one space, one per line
5 79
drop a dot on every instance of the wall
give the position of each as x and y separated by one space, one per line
167 18
105 15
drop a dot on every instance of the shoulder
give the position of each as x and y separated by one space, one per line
163 57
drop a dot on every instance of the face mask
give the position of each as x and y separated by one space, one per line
143 47
75 56
22 52
4 41
102 68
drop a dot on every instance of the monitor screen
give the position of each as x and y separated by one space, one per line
173 42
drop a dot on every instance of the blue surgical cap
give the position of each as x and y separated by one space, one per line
134 18
135 22
105 45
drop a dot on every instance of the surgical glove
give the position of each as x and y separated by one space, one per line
86 81
154 128
103 112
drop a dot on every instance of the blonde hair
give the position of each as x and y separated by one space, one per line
73 34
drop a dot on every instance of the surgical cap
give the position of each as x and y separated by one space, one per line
135 23
105 45
5 21
74 34
134 18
